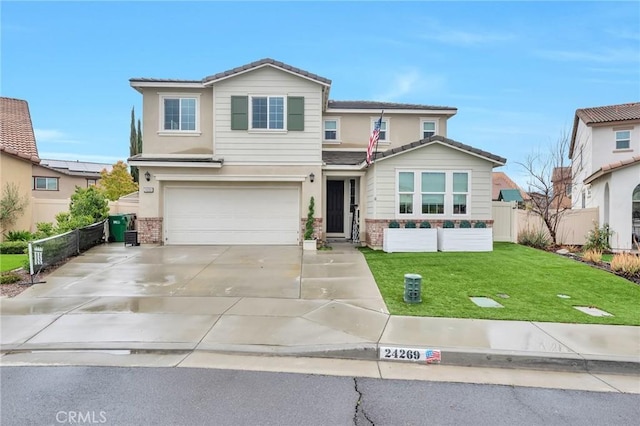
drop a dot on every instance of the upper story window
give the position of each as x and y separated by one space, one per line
428 129
384 129
45 183
623 139
331 130
267 112
433 192
179 112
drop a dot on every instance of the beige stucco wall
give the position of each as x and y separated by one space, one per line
382 182
159 141
17 171
355 129
66 184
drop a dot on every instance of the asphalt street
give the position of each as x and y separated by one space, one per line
185 396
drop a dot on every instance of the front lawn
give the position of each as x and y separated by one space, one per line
9 262
531 278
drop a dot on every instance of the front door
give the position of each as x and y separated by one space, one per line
335 207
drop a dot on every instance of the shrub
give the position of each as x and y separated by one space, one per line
465 224
626 263
534 238
425 224
9 278
593 256
598 238
410 224
308 226
44 230
448 224
394 224
480 225
14 247
571 248
18 236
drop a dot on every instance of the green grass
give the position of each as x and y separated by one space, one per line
532 279
607 258
9 262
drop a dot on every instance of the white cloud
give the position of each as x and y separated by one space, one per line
412 82
54 136
604 55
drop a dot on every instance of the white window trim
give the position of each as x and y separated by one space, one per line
337 140
387 120
417 195
35 186
285 112
166 95
428 120
625 139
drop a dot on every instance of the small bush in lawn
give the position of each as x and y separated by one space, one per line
593 256
571 248
14 247
534 238
410 224
598 238
425 225
448 224
480 225
394 224
465 224
9 278
18 236
626 263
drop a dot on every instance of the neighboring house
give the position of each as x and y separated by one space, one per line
18 153
59 178
505 189
561 180
605 164
234 158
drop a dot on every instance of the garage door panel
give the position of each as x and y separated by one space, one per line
238 215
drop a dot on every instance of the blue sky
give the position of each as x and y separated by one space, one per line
516 71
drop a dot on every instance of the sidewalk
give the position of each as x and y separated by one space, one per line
335 311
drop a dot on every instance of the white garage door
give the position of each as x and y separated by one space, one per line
232 215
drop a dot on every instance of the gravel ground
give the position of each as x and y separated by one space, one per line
12 290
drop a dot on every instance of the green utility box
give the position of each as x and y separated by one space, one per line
118 224
412 288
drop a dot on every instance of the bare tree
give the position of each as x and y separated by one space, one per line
549 183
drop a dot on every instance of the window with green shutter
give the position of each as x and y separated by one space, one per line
239 112
295 113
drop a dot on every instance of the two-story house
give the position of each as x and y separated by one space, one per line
234 158
58 179
605 165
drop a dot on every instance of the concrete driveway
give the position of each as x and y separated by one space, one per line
210 297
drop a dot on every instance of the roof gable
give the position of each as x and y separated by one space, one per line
612 167
510 195
16 131
263 63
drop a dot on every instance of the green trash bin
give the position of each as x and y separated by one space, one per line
118 223
412 288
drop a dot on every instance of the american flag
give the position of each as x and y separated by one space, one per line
432 355
373 139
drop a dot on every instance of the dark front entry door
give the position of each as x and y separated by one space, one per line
335 206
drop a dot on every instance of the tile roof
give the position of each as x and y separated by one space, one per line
612 167
343 158
266 61
445 141
16 131
560 173
237 70
375 105
501 181
604 114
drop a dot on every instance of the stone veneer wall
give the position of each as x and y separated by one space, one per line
317 228
375 228
149 230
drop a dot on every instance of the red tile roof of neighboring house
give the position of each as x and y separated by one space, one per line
16 130
604 114
606 169
502 181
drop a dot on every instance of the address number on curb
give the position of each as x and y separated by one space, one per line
428 356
